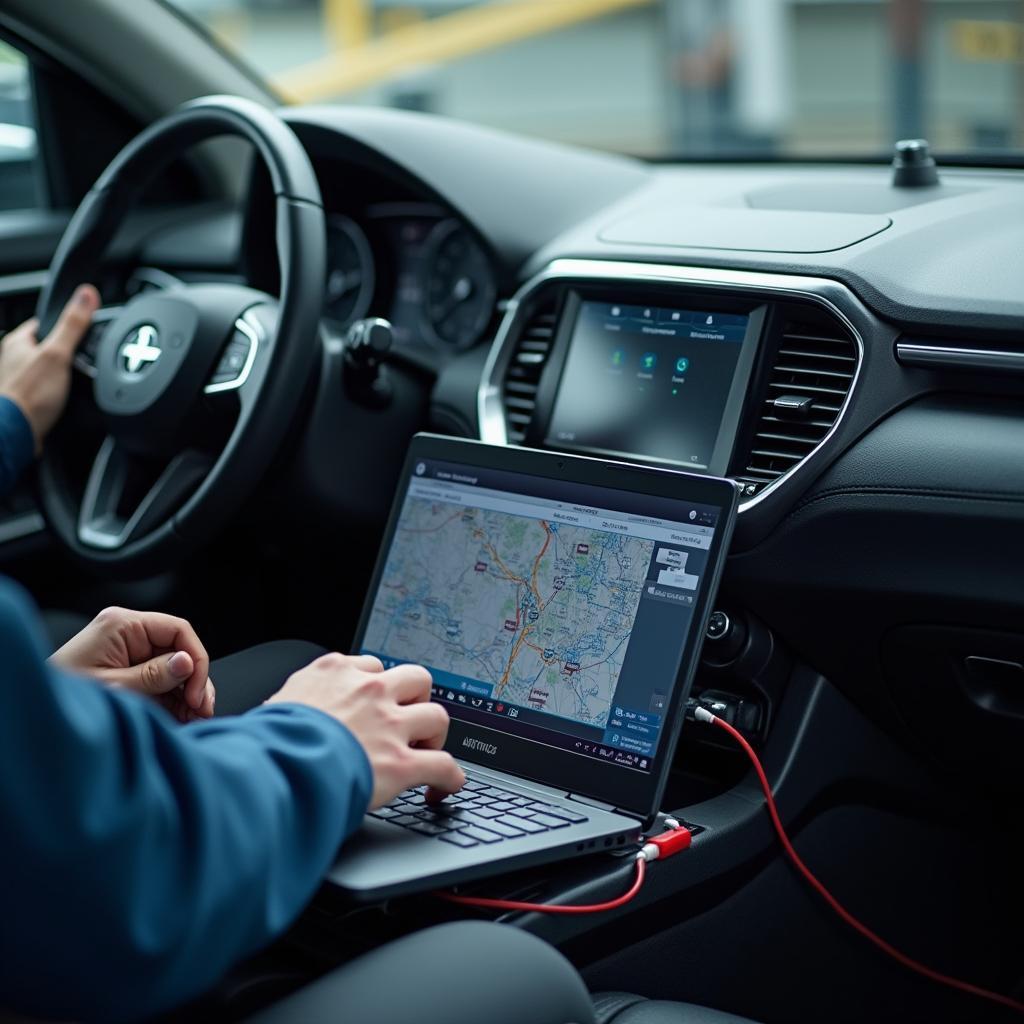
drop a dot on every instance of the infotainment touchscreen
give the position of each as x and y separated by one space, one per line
656 383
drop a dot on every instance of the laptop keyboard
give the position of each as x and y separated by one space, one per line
478 814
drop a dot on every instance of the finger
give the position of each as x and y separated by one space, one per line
74 320
169 633
158 676
408 684
24 333
425 725
366 663
433 721
205 709
439 771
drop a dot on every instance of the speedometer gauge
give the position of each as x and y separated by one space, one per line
458 288
350 276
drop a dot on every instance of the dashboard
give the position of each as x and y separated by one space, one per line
848 351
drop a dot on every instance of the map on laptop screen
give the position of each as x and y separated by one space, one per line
547 610
539 611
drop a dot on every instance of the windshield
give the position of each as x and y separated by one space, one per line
659 78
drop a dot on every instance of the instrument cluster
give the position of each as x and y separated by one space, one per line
416 265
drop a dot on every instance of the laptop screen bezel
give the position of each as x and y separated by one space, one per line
635 792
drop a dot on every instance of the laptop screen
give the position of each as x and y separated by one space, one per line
546 609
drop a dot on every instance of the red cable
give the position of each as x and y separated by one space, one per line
554 908
853 922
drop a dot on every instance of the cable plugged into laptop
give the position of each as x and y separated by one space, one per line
659 847
703 715
667 844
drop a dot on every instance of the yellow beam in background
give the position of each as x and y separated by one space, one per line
449 37
347 23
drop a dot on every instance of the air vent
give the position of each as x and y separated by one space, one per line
807 386
522 378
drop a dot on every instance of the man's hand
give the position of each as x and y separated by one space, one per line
36 375
391 716
158 655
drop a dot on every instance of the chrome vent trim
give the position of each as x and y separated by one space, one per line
816 362
819 290
522 377
936 356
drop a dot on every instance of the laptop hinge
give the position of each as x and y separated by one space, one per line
600 805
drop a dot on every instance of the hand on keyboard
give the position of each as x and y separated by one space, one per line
391 716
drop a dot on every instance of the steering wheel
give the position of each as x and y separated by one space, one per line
196 384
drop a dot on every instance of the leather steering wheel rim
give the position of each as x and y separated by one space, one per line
292 349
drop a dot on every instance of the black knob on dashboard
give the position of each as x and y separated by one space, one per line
726 634
366 344
913 165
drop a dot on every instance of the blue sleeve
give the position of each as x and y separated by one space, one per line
140 859
17 445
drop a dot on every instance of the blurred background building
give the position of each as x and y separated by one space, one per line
656 77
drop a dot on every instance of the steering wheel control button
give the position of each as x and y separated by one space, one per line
88 351
232 361
236 361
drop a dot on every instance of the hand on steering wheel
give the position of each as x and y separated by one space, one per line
36 375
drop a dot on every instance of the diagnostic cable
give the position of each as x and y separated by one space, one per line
655 848
703 715
678 838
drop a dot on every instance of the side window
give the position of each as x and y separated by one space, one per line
20 177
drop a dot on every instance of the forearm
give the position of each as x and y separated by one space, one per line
158 854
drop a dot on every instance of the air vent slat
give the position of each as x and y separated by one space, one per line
815 389
512 402
810 338
832 357
770 453
832 374
805 423
522 378
788 438
811 361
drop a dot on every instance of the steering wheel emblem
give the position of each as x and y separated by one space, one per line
141 349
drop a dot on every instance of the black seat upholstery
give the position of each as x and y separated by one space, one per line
60 626
466 972
622 1008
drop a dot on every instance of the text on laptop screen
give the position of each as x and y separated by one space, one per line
553 611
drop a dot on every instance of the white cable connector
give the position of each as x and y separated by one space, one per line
703 715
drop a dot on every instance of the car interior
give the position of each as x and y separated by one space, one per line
360 273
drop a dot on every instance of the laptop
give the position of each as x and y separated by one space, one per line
559 603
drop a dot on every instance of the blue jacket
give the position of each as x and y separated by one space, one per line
139 858
16 444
